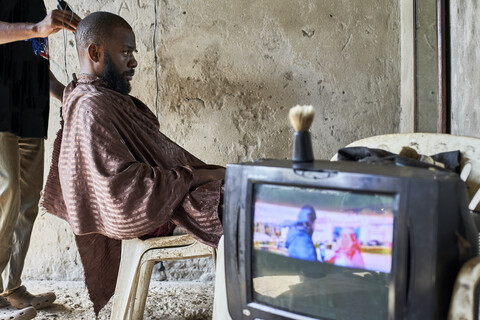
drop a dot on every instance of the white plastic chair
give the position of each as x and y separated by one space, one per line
136 265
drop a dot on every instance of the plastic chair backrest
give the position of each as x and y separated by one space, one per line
429 144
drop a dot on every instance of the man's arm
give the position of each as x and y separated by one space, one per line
52 23
202 176
56 87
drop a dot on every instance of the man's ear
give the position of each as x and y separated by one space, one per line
94 52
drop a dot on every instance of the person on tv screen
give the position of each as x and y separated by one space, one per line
348 253
299 238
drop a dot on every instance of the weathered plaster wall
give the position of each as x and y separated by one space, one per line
465 64
240 68
228 73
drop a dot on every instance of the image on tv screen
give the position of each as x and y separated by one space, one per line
350 230
324 236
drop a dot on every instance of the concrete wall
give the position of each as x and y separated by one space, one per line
465 64
228 73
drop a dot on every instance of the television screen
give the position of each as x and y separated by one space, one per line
321 252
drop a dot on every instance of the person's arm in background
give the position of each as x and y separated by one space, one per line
52 23
56 87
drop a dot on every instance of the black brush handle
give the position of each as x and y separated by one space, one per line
302 147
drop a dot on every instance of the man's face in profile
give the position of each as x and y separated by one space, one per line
119 61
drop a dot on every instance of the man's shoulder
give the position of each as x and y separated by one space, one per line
89 92
89 96
87 101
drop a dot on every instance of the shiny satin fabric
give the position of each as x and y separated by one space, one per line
115 176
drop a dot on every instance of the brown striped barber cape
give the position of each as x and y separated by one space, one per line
115 176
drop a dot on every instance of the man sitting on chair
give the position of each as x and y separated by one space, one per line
114 175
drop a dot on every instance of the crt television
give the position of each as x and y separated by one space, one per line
343 240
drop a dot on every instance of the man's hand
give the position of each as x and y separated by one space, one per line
56 21
202 176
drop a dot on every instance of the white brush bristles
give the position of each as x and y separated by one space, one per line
301 117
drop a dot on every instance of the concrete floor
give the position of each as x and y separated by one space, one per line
167 300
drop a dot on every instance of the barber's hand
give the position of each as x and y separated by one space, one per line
202 176
56 21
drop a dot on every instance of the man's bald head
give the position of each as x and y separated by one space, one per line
106 46
96 28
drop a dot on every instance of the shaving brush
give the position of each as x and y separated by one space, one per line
301 118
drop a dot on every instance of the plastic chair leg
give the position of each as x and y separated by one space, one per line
220 306
214 258
137 261
141 291
127 279
462 305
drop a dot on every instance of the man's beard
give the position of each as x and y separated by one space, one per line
115 79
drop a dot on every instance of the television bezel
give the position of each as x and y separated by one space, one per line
332 177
